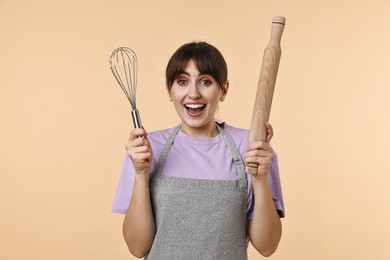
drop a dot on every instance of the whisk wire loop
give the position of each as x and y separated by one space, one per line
124 66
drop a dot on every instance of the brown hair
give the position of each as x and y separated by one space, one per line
206 57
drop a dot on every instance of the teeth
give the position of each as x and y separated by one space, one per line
194 106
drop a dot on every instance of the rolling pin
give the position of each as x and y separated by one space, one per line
266 86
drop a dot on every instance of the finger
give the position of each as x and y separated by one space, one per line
270 132
259 153
252 168
140 141
141 157
141 149
138 145
137 132
140 154
259 146
262 162
134 143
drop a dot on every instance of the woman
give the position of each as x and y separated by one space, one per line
184 190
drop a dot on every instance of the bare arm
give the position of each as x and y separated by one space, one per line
138 225
265 228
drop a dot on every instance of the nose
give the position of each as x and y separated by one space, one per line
193 91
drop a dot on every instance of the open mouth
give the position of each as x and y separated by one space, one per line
195 109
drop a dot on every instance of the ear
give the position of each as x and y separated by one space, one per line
224 91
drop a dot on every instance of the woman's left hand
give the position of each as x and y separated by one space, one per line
261 153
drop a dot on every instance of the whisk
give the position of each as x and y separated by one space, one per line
124 66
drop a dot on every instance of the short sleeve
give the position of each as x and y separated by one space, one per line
125 188
276 186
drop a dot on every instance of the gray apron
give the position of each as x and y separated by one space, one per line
198 218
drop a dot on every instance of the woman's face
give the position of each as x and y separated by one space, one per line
196 98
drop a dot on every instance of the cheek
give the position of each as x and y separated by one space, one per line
176 100
176 97
173 95
217 97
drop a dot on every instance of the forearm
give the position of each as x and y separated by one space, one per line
265 228
138 226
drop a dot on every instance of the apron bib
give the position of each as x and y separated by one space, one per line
198 218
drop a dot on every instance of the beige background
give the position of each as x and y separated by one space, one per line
64 120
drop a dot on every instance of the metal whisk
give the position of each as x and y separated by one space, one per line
124 66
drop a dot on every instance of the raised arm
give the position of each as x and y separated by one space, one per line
138 225
265 228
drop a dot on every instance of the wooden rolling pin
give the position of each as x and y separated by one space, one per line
266 86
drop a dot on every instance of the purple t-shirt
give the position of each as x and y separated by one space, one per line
198 158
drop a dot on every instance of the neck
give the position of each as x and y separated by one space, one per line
201 132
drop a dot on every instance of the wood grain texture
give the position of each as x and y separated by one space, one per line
266 86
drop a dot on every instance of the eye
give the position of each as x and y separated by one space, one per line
206 82
181 82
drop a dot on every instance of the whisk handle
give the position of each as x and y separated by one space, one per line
136 118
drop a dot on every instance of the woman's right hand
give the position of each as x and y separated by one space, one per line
138 225
139 150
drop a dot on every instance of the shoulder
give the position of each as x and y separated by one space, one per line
157 141
239 135
235 130
160 136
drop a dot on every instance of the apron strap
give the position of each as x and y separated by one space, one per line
165 150
236 157
238 162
